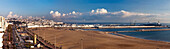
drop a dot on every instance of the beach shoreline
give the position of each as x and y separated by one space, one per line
130 37
125 36
136 42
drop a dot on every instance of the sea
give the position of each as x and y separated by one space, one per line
150 35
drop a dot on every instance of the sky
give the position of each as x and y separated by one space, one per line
89 10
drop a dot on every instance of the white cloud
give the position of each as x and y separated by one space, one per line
15 16
92 11
99 11
20 16
51 12
103 15
64 14
121 13
69 13
128 14
73 12
56 14
164 14
11 15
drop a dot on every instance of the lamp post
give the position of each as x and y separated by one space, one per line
81 43
55 41
44 35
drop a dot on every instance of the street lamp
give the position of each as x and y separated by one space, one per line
55 41
81 43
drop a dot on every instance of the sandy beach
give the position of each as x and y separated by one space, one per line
79 39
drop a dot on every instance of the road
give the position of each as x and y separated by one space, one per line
17 40
19 43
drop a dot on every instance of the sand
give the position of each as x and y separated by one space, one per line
78 39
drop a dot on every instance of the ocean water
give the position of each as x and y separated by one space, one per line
150 35
122 29
108 23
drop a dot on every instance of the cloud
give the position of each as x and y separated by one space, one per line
51 12
99 11
12 15
121 13
164 14
16 16
92 11
124 13
64 14
9 15
56 14
103 15
75 13
20 16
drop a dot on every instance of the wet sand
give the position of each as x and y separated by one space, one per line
78 39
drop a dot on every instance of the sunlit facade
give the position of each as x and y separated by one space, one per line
3 24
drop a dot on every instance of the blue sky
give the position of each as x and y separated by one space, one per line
43 7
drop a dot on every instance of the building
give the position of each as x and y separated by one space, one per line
3 24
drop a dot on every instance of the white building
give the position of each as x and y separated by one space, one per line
3 24
1 39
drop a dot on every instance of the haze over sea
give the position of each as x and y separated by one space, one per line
151 35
